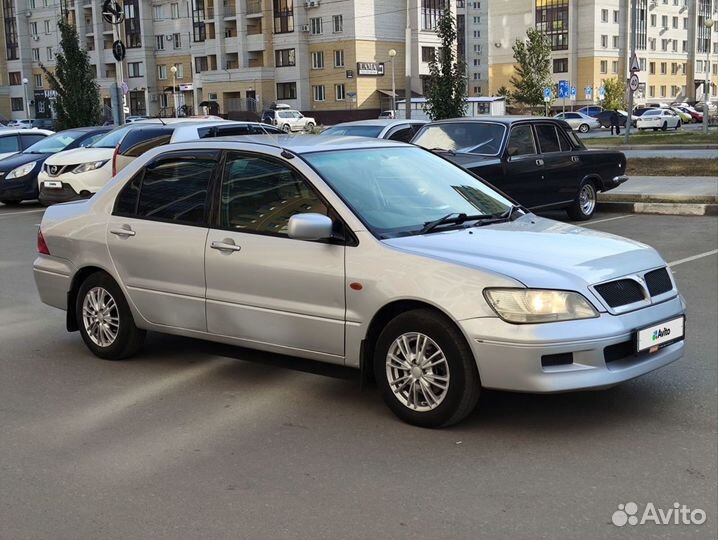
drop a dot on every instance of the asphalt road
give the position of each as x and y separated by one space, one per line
193 440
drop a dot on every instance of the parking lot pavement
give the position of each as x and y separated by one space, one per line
193 440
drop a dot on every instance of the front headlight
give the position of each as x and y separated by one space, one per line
538 305
22 170
89 166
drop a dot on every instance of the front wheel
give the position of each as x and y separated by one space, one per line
309 127
105 320
426 370
584 128
678 125
286 128
664 127
584 206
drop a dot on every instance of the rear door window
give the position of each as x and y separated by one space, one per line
403 134
139 141
27 140
547 138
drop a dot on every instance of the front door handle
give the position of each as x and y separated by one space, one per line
124 231
539 162
574 158
225 246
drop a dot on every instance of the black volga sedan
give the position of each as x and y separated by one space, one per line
18 173
537 161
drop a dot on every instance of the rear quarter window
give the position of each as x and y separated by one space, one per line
139 141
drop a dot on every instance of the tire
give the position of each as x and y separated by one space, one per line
128 338
583 208
678 125
286 128
309 127
664 127
10 203
655 129
433 406
584 128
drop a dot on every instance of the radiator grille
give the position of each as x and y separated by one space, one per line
658 281
621 292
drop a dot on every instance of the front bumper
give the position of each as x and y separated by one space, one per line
509 356
59 195
19 189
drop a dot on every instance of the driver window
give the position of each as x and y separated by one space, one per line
521 141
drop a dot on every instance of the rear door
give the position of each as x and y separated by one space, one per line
560 170
156 238
523 167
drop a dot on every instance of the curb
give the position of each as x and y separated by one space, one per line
671 209
663 199
656 147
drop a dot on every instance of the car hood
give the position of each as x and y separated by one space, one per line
14 161
468 160
538 252
80 155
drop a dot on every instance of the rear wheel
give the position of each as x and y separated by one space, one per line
286 128
678 125
426 370
105 320
584 206
664 127
309 127
584 128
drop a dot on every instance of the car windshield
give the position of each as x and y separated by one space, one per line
113 138
397 191
55 143
482 138
358 131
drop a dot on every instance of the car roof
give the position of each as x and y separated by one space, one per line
88 128
210 123
381 122
11 130
507 120
303 144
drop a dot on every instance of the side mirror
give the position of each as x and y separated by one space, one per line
310 227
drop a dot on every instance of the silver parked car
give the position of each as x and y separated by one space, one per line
578 121
395 130
372 254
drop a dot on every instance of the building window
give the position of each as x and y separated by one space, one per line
560 65
318 92
200 64
614 66
431 12
134 69
177 40
38 80
15 78
653 19
33 28
164 101
180 71
664 21
162 72
615 42
339 92
663 91
604 41
339 58
157 13
552 20
318 60
664 68
651 91
174 10
35 55
337 23
160 43
616 15
675 22
49 53
12 46
604 15
316 26
428 54
283 16
604 66
284 57
17 104
287 90
47 27
133 33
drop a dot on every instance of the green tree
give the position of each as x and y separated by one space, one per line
532 70
615 94
506 94
446 95
77 101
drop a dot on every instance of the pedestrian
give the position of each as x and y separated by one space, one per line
615 122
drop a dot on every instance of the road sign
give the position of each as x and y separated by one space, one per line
589 92
633 82
573 93
563 89
125 88
635 64
118 50
112 12
547 94
601 92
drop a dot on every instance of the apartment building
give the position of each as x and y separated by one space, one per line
590 43
315 55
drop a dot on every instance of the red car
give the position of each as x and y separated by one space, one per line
696 116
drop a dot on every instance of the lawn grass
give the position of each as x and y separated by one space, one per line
656 137
671 167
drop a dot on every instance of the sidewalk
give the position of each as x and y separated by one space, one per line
679 195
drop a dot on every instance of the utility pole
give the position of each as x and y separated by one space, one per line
708 23
407 62
634 21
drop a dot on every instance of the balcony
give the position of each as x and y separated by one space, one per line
254 8
254 27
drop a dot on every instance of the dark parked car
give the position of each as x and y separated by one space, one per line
539 162
18 173
605 118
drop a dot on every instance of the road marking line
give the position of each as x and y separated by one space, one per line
607 219
3 214
693 258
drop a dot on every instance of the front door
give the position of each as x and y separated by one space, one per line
156 237
262 286
523 167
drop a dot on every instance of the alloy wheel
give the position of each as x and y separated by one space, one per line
100 317
587 199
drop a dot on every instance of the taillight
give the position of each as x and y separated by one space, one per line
41 244
114 160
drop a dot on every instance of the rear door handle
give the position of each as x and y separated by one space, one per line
225 246
124 231
539 162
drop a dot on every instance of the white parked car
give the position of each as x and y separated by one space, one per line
287 119
583 123
22 123
656 119
14 139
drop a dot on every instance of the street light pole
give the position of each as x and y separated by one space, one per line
707 83
634 22
27 101
407 62
392 54
173 70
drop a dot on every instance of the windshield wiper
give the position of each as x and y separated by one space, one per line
450 219
503 216
443 151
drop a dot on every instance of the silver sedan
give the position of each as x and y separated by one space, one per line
367 253
579 121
